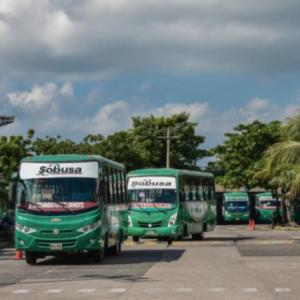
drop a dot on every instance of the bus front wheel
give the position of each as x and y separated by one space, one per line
30 258
198 236
97 255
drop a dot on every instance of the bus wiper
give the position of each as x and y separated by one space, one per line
142 209
37 206
65 207
160 210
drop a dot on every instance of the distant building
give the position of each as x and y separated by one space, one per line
5 120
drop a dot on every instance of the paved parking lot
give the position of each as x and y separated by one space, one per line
231 263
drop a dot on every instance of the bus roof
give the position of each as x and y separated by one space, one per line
236 194
265 194
168 172
70 158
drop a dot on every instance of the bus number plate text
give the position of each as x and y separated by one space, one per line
56 246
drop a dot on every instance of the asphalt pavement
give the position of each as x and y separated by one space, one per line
231 263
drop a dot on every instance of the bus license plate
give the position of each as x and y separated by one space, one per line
56 246
150 232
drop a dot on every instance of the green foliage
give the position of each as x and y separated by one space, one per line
149 140
242 151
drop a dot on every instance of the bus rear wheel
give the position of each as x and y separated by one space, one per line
198 236
136 238
30 258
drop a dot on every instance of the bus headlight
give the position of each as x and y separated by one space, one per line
172 220
129 221
24 229
90 227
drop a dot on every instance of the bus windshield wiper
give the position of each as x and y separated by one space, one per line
160 210
36 205
62 204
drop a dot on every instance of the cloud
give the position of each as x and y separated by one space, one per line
67 89
196 110
38 97
97 38
257 104
111 117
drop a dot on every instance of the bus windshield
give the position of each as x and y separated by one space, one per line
236 206
53 193
269 203
149 196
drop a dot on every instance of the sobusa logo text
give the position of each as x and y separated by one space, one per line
56 169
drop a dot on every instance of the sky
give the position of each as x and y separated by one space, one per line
74 67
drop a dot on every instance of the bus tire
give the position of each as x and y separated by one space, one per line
198 236
116 249
30 258
136 239
97 255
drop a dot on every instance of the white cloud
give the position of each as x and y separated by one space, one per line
257 104
196 110
111 117
38 97
67 89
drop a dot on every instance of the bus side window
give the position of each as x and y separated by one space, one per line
187 192
124 189
193 191
205 190
107 186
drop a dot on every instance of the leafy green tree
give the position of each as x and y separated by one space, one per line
12 150
281 164
239 156
149 140
51 145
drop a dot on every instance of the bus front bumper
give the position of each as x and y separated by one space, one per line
171 231
83 242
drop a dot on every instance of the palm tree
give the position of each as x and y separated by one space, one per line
281 164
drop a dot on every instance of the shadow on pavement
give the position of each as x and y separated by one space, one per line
126 257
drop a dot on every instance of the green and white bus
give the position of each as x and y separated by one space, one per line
170 204
70 204
265 206
236 207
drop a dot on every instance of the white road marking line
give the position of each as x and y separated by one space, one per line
184 290
120 290
282 290
217 289
86 291
21 291
152 290
54 291
249 290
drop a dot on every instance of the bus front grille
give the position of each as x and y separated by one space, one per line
60 231
47 243
149 225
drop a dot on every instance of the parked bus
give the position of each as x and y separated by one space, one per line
68 204
266 206
236 207
170 204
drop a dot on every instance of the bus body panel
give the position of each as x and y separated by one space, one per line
192 216
236 207
54 232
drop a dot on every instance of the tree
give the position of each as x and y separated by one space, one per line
281 164
12 150
241 152
149 141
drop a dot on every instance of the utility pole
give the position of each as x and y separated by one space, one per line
168 148
5 120
168 137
